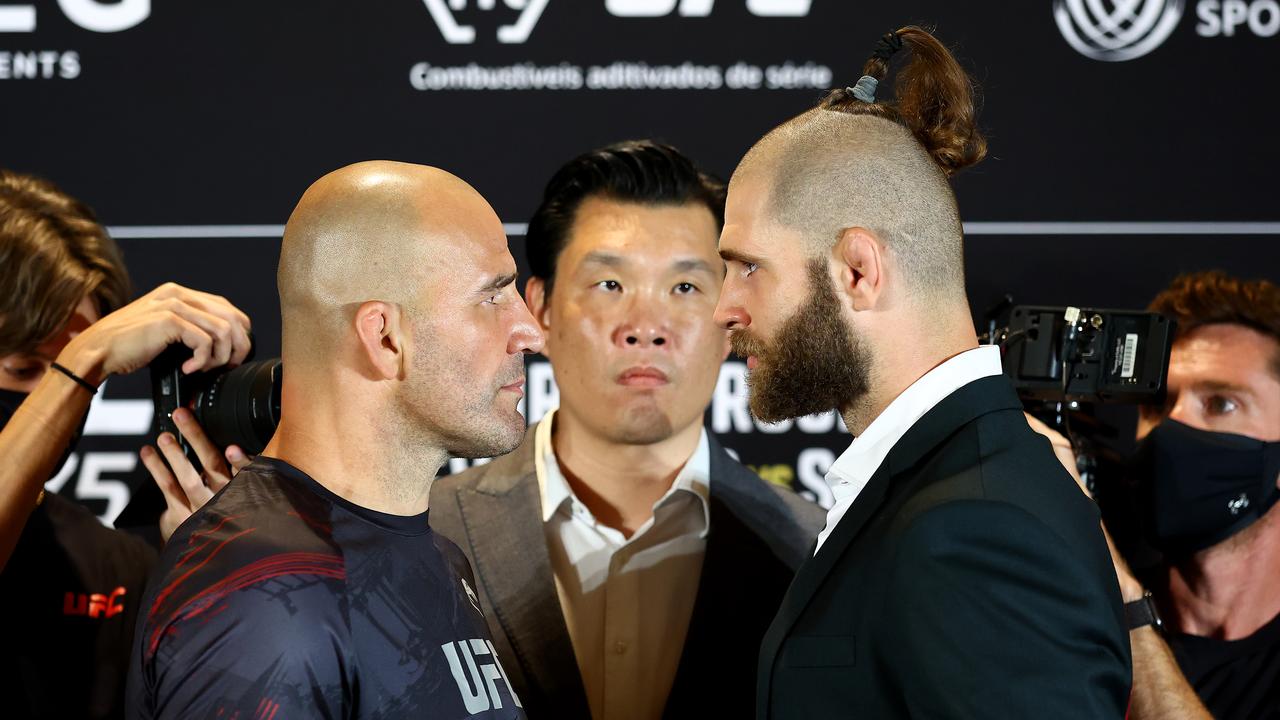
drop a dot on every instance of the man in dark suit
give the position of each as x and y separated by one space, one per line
628 566
961 573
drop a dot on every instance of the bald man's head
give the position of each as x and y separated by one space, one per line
375 230
826 170
398 301
881 165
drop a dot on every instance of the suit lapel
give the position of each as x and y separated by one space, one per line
977 398
503 523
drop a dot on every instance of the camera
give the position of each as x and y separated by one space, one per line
1074 355
238 406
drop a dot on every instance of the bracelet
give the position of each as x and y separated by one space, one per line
79 380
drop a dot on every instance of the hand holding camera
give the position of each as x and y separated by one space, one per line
129 338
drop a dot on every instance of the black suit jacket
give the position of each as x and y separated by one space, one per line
969 579
759 534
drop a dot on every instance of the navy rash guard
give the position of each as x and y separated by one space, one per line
279 599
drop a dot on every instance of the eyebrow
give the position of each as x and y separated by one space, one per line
730 255
603 258
1221 386
498 283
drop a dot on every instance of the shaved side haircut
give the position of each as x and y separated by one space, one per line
882 165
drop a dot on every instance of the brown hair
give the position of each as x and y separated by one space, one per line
1213 297
53 253
933 98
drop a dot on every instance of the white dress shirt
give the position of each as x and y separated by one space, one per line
853 469
626 601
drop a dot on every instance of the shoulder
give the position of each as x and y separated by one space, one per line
998 462
778 515
259 556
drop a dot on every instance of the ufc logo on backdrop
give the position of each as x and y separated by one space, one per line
95 605
455 33
103 17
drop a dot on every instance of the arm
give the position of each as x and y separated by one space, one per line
1160 692
990 614
122 342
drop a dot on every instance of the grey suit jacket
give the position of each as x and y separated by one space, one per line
759 534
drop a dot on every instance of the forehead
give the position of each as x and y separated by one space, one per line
1224 352
473 246
749 228
651 233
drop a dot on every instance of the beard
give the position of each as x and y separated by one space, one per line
814 364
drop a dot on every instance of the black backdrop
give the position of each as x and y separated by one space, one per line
1124 148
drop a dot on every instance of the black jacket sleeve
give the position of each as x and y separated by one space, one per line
1010 623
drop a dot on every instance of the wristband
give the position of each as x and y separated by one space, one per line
79 380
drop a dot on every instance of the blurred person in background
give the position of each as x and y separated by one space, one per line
1205 619
69 588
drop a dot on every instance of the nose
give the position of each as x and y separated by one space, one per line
729 313
642 327
526 336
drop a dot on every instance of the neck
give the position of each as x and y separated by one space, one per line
1232 589
899 363
618 482
341 447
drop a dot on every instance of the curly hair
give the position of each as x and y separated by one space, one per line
1213 297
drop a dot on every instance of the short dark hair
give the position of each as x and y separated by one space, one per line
53 253
1213 297
640 171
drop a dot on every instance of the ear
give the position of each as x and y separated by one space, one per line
861 259
381 337
535 296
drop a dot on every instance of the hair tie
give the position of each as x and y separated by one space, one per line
888 44
865 89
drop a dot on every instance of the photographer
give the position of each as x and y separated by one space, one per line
70 587
1207 480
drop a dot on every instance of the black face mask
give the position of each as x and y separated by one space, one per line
9 402
1197 488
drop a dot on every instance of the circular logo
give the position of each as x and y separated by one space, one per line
1116 30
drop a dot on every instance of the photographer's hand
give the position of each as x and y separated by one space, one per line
131 337
185 489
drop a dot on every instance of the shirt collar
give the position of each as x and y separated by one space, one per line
694 477
867 451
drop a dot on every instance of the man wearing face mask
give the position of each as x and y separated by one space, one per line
628 566
69 587
1208 472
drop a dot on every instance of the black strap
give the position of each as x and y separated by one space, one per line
1142 612
79 380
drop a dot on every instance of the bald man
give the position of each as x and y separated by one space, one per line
961 573
312 585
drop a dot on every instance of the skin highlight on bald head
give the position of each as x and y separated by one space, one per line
403 333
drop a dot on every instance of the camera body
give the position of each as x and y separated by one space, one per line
236 406
1069 354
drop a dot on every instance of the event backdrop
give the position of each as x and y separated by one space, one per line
1130 140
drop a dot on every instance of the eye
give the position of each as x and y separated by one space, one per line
748 269
685 288
609 285
24 372
1220 405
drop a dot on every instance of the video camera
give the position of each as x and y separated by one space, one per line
238 406
1074 355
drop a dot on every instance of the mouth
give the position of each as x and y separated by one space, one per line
643 377
752 362
516 387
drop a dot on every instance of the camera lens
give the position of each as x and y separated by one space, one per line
242 407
